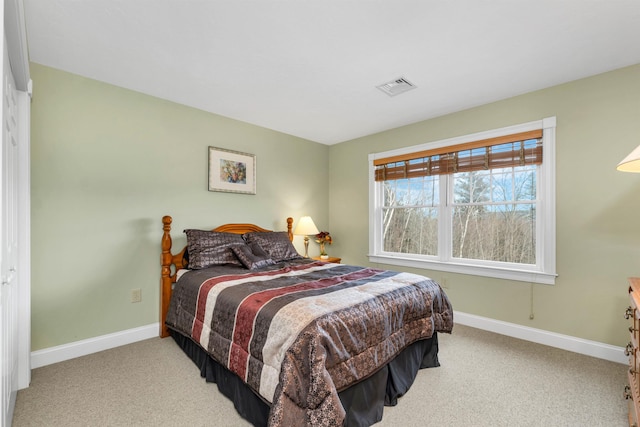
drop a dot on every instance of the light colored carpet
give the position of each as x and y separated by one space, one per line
485 380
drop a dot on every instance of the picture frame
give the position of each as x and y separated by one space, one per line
232 171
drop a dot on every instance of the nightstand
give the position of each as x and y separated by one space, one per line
330 259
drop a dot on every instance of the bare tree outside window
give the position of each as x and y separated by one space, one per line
410 216
493 215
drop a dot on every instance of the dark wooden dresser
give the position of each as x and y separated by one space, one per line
632 392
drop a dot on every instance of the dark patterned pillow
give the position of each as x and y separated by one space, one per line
252 256
275 243
209 248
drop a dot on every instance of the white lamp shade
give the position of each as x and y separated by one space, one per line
631 163
306 227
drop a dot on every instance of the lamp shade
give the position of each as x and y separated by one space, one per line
631 163
306 227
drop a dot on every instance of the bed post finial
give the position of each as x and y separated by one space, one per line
165 276
289 228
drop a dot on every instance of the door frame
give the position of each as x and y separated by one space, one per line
24 240
16 37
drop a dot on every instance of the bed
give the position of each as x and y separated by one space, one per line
294 341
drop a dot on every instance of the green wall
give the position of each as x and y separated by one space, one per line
598 208
107 163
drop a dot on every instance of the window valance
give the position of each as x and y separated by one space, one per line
518 149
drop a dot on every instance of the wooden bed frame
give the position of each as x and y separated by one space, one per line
363 401
167 260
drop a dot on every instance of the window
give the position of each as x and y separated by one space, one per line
480 204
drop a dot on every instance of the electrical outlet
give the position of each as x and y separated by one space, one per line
443 283
136 295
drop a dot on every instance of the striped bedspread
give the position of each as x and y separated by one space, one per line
300 332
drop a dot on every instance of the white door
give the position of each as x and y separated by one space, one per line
9 239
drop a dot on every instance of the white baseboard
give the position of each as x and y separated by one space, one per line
612 353
72 350
552 339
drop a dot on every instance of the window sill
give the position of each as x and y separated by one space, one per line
529 276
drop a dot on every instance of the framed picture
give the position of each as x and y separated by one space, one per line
232 171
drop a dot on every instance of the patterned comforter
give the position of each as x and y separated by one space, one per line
298 333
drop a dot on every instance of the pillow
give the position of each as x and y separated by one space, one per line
209 248
252 256
275 243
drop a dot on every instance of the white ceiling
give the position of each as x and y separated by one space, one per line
309 67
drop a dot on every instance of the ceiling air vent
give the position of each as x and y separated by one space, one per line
396 86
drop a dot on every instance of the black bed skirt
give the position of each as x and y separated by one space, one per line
363 402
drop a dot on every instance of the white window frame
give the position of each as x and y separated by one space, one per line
543 272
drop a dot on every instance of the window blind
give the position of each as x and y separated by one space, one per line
518 149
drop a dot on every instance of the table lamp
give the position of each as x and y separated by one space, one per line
304 228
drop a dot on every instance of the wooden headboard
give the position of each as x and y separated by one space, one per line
169 260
